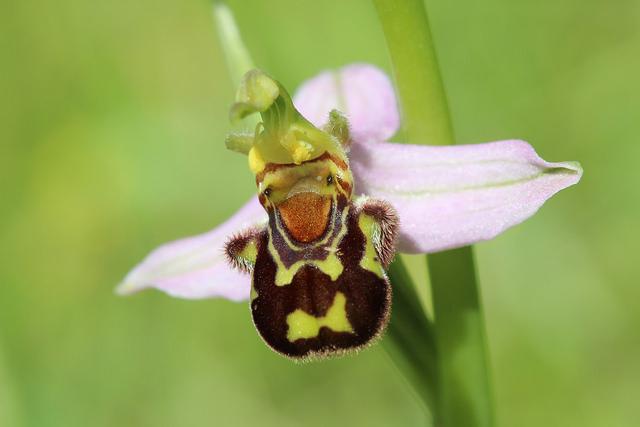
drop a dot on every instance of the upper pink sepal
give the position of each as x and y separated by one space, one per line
362 92
452 196
196 267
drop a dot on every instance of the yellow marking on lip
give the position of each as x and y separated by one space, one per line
250 252
371 230
296 246
331 266
303 325
283 178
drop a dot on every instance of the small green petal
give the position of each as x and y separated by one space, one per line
338 126
239 142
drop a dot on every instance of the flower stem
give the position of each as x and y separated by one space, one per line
237 56
464 392
410 340
425 114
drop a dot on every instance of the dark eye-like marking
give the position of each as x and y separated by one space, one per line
267 192
330 179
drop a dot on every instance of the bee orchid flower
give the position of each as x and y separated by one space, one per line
445 196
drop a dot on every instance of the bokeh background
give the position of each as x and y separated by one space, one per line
112 121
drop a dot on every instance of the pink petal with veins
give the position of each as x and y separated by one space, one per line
452 196
196 267
362 92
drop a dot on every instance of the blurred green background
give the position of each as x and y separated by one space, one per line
112 120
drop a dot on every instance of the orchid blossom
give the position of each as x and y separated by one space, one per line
445 196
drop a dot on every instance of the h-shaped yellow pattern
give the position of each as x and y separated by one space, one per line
304 325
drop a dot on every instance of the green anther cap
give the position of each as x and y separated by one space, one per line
284 136
257 92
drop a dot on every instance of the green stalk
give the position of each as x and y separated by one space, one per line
465 397
464 392
425 114
237 55
409 340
